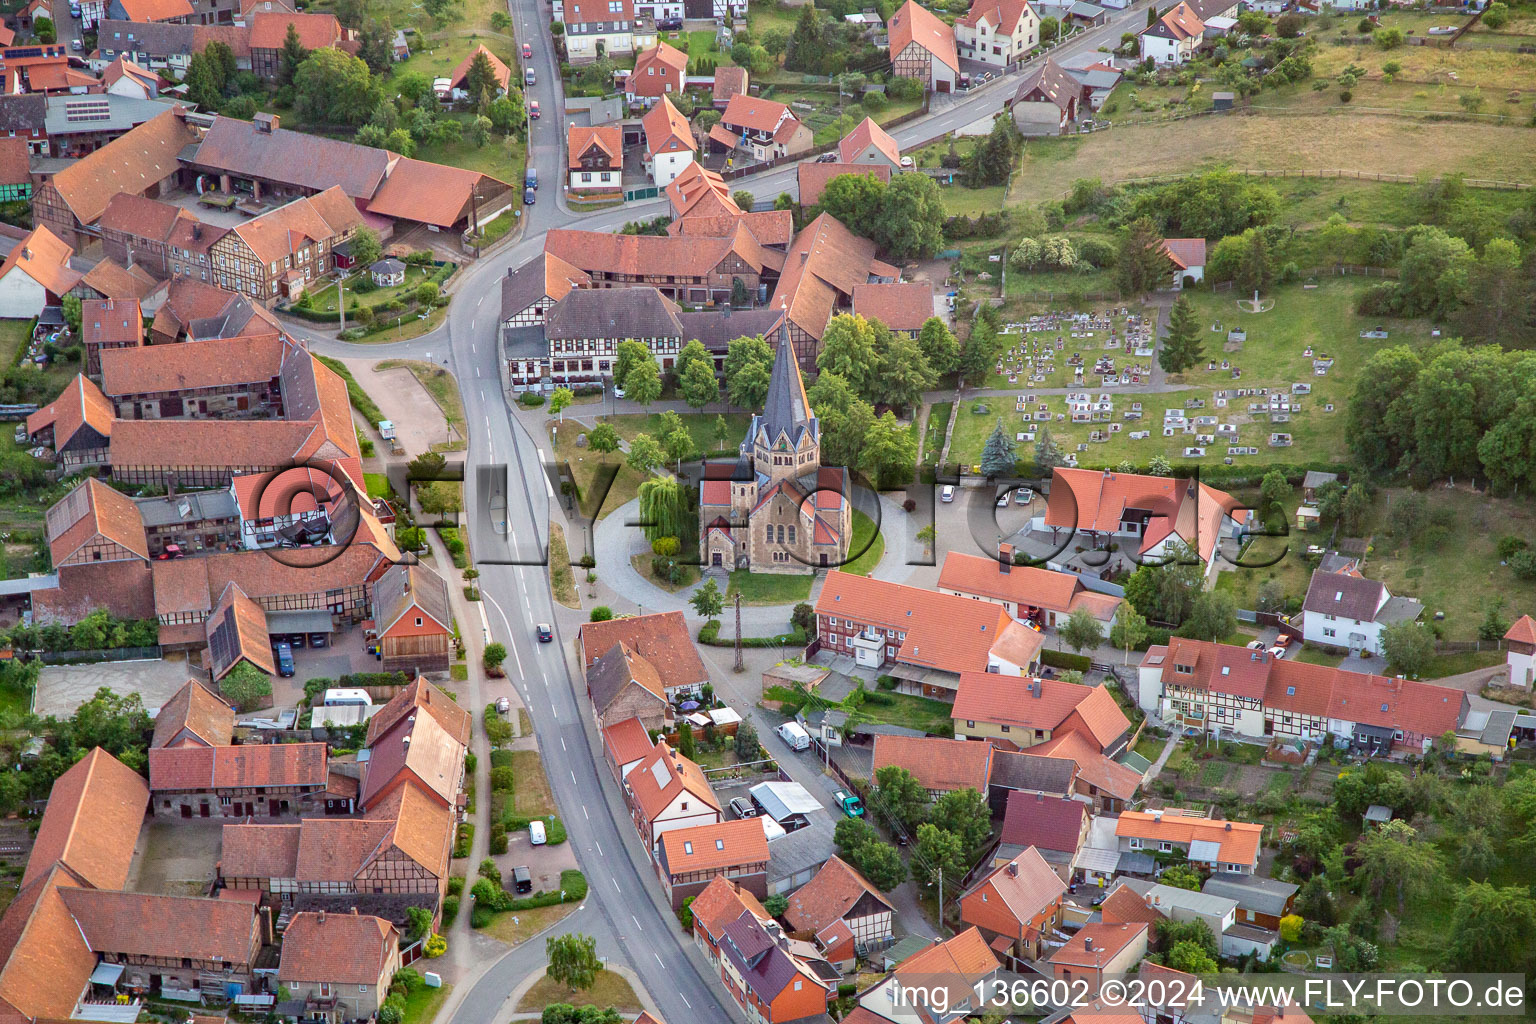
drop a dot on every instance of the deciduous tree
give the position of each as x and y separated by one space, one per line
573 960
1081 630
939 346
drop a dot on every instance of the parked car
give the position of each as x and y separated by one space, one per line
1023 496
1256 645
948 493
76 45
528 76
285 661
794 735
21 433
850 804
545 634
522 879
1277 653
536 834
529 198
1002 500
503 706
533 109
741 807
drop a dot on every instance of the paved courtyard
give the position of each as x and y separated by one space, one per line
61 689
176 857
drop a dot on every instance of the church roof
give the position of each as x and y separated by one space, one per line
787 409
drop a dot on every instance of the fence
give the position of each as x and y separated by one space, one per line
1337 270
101 654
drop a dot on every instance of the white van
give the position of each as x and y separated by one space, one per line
796 737
341 697
536 834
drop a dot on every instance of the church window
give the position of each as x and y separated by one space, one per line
791 534
781 535
769 531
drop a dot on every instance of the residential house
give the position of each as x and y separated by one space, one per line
45 69
688 859
269 30
1098 80
236 632
143 162
1231 847
413 619
125 78
824 263
625 745
770 983
598 28
846 915
945 982
1026 592
1047 100
1188 258
1155 513
282 254
939 765
595 158
1174 37
1014 771
1025 710
109 279
135 231
254 780
696 269
997 32
167 46
25 117
902 307
763 128
1215 687
729 81
15 170
1261 902
108 324
669 143
36 275
669 792
77 425
1017 905
1103 783
1520 652
194 716
1055 827
924 639
721 903
344 962
659 71
869 145
923 47
419 753
145 11
1346 610
1218 913
1098 950
458 80
622 686
814 175
531 291
662 638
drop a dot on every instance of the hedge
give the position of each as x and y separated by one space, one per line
554 828
360 398
709 634
364 680
450 911
1061 659
464 839
491 898
501 759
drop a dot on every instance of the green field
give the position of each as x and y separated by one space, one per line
866 540
766 588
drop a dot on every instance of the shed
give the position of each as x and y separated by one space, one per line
785 800
1221 101
387 272
1378 814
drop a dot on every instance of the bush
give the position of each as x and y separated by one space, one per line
602 613
502 778
450 909
1061 659
498 837
464 838
874 102
530 399
709 635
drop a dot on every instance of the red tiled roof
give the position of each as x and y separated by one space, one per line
725 844
1185 252
1182 23
751 112
657 779
944 632
155 10
342 949
868 133
1523 631
666 128
197 710
316 31
94 509
829 896
92 821
1026 586
1239 840
1002 15
608 139
824 263
914 23
1048 822
15 167
1092 766
165 927
728 82
255 766
1027 885
1093 500
937 763
44 257
722 902
461 73
133 162
259 851
627 741
80 404
1020 700
421 695
421 747
662 638
662 53
1125 905
1108 941
901 306
428 193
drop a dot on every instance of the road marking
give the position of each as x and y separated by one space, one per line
685 1000
635 919
573 782
600 853
477 371
658 959
508 623
562 747
472 321
615 884
584 813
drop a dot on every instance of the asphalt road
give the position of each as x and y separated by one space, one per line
621 909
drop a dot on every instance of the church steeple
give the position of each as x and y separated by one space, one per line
787 410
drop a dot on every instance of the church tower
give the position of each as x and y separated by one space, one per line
784 440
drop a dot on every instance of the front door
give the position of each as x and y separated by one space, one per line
715 558
203 809
186 810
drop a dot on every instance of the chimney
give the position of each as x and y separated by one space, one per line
1088 943
354 911
26 253
197 231
1036 688
320 916
1004 558
1013 869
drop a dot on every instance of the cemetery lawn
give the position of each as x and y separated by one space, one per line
1272 357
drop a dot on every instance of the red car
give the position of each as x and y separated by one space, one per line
533 109
527 50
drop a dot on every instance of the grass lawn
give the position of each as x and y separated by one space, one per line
867 546
610 990
415 277
378 485
1441 665
1314 656
562 576
1150 747
766 588
440 384
909 710
422 1005
762 17
701 425
531 794
502 157
960 200
642 564
514 927
584 469
13 698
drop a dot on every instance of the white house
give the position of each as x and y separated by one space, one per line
35 275
1173 38
1188 258
1344 609
999 32
666 792
595 158
669 143
1520 644
597 28
923 47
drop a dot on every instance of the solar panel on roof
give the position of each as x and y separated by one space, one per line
88 110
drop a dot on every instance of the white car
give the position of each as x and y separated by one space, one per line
1277 653
536 834
503 706
1002 500
1255 645
1023 496
948 493
618 392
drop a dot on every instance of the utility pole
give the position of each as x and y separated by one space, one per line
740 666
341 297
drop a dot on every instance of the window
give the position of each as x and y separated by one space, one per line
720 844
688 847
970 725
418 620
1165 847
1330 631
1290 691
1007 728
791 534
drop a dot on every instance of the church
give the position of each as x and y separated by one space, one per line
776 508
